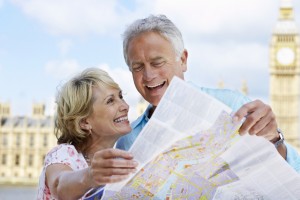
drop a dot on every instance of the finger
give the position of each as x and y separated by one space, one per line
114 171
118 163
245 110
269 132
114 153
102 180
248 123
118 178
252 119
267 120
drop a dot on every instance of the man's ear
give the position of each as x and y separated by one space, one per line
183 59
84 124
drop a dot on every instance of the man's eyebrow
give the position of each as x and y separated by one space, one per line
157 58
151 60
136 63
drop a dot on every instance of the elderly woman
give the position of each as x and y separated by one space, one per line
91 116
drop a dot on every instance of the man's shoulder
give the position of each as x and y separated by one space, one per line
136 122
216 92
232 98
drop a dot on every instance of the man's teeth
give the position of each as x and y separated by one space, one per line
121 119
153 86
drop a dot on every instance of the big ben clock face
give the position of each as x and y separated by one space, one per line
285 56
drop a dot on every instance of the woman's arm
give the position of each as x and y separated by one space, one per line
64 183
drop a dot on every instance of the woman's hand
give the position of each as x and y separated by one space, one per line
110 166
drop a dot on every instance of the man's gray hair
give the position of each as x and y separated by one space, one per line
159 24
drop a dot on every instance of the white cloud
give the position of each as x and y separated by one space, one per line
226 39
230 56
232 63
73 17
64 46
193 17
211 16
61 69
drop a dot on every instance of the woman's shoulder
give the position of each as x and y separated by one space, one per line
61 148
65 154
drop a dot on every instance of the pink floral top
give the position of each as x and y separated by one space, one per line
64 154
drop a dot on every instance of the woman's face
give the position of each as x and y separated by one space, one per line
109 117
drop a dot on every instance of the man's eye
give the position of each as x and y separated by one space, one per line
137 68
158 64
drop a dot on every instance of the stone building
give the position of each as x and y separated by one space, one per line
24 142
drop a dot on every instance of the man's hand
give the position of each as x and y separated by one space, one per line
260 120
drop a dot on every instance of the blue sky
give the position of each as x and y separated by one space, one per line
44 42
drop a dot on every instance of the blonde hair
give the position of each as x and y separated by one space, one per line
75 102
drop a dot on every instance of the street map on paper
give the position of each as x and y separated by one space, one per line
190 149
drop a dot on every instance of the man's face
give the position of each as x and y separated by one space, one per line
153 62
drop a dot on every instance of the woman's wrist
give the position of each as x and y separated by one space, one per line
87 179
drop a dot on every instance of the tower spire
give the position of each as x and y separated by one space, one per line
286 10
286 23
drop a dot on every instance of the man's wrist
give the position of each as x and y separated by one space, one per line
278 141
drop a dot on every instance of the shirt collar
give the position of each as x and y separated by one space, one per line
143 117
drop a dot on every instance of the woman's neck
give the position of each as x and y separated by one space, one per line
98 144
101 143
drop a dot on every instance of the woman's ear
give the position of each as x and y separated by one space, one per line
84 124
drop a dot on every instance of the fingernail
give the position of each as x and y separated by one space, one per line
242 133
235 119
135 163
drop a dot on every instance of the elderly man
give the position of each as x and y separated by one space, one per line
154 52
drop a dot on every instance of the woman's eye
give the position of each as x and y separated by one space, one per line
110 101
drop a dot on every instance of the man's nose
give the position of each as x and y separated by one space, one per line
148 73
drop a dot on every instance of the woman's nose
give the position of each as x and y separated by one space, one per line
124 105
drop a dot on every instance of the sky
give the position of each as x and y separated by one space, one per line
45 42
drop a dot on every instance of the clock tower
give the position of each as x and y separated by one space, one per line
285 74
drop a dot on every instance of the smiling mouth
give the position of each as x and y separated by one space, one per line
121 119
152 87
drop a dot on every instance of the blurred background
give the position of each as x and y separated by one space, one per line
45 42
